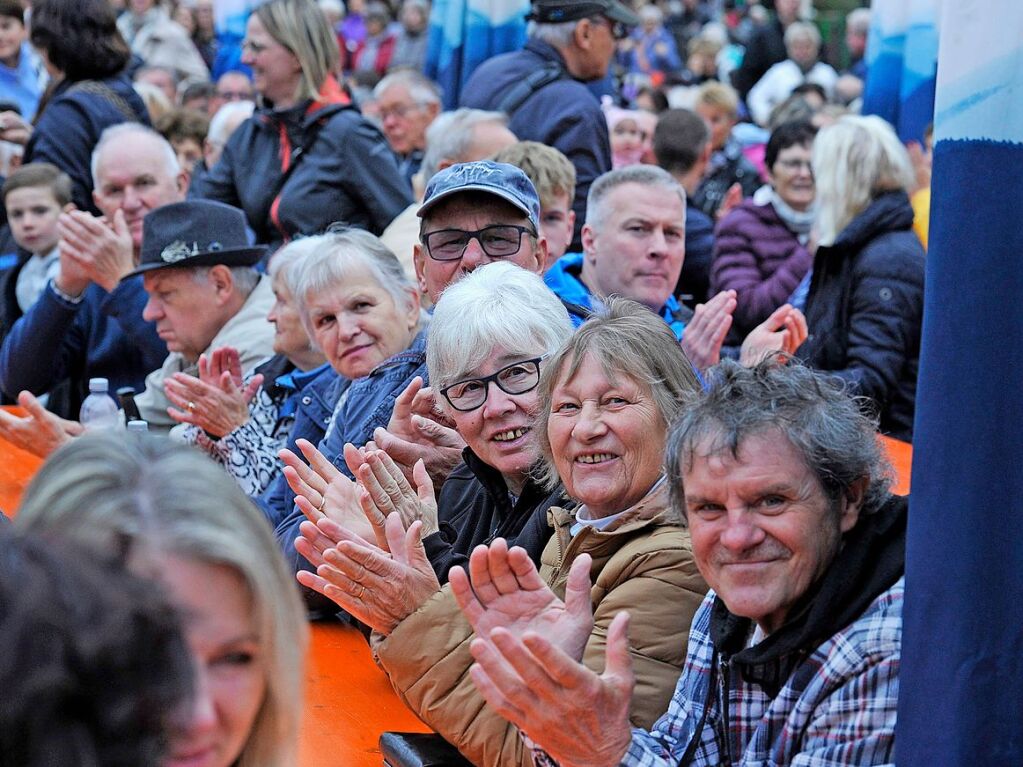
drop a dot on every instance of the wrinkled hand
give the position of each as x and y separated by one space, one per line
706 331
216 408
385 490
508 593
102 250
323 491
784 331
380 587
40 432
578 717
222 365
419 431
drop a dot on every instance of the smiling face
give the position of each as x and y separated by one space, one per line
636 251
33 212
472 212
763 530
792 176
358 324
276 72
230 683
498 431
606 437
135 177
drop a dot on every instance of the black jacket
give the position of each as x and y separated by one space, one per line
563 114
296 171
70 125
474 507
865 309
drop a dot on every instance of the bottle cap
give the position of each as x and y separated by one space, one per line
99 385
138 426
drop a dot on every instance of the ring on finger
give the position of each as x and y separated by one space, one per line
191 407
322 505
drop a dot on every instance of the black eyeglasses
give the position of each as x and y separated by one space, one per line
619 31
498 241
517 378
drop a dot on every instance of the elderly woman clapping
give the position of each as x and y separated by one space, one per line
488 339
243 425
606 399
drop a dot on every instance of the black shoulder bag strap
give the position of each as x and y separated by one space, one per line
523 89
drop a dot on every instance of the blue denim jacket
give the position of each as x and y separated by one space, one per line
368 404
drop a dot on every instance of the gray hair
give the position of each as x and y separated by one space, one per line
499 305
629 340
858 21
837 441
651 13
227 119
117 133
802 30
559 35
646 175
333 256
855 160
245 278
288 262
154 496
450 137
421 89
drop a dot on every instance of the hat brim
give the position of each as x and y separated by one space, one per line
227 257
618 12
426 207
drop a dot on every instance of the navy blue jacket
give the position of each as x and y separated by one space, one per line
103 335
70 125
694 279
296 171
865 309
563 114
367 404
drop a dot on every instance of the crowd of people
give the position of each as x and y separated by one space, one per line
567 397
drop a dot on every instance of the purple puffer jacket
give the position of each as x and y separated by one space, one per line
759 258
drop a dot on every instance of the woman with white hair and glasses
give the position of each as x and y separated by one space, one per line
603 403
864 309
171 515
307 157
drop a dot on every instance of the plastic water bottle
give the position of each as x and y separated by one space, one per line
99 411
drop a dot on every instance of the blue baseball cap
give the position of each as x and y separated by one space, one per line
497 178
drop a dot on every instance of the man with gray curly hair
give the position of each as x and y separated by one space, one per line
795 651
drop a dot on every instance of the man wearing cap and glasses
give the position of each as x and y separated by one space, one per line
197 267
541 87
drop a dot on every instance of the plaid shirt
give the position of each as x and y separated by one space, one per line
836 708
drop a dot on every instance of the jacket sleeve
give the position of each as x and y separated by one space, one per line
427 656
219 182
65 139
662 590
736 268
44 347
372 175
885 309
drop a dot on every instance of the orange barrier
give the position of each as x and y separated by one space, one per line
348 700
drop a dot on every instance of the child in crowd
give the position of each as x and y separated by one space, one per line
34 196
21 72
553 175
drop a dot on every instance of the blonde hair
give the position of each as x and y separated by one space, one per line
855 160
719 96
550 171
302 28
153 495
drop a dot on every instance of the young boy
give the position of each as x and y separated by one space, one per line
34 196
553 175
21 73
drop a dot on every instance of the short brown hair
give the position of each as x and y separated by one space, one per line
181 124
40 174
550 171
12 9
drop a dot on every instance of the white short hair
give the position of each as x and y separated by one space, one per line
117 133
499 305
227 119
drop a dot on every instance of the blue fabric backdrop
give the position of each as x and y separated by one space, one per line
465 33
961 696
